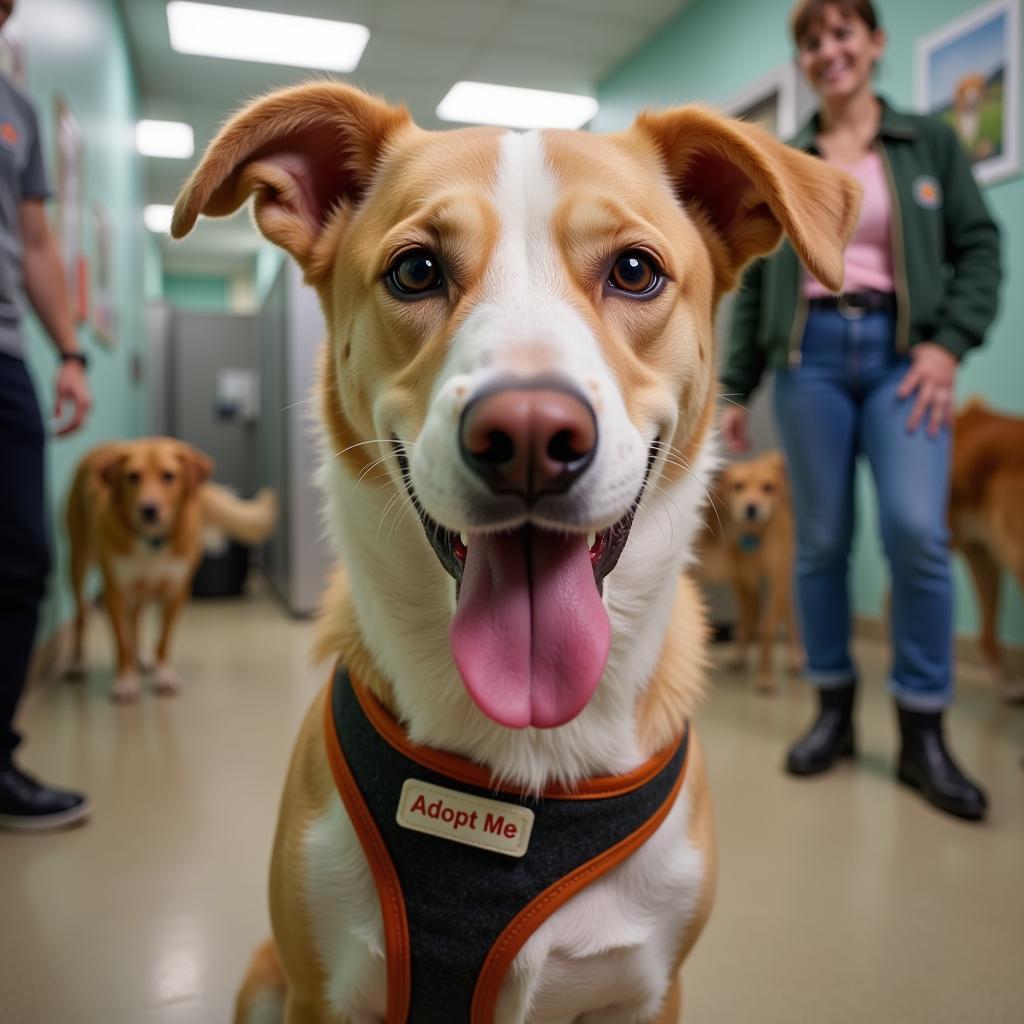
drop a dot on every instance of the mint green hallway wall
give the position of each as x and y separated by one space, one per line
200 292
79 51
711 52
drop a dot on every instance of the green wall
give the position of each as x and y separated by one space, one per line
711 52
79 51
204 292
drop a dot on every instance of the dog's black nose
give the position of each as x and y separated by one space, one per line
149 513
528 440
751 512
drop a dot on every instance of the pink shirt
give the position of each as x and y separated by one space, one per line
869 254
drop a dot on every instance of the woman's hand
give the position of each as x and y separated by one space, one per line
734 428
932 375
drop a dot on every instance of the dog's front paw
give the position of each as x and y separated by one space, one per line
166 681
126 688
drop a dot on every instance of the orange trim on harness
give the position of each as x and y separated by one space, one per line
389 888
455 767
529 919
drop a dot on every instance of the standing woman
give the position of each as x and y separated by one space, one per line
873 371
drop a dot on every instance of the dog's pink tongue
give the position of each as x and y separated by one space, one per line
530 634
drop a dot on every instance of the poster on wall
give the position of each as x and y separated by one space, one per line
70 200
968 74
779 102
104 311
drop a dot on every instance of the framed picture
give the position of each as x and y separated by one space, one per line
968 73
779 102
104 310
70 200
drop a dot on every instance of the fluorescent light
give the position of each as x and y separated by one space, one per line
164 138
158 218
239 34
480 103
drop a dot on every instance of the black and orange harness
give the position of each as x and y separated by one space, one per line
455 915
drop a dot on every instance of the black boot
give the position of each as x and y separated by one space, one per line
829 738
926 764
25 803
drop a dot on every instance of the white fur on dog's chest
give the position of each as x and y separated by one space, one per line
613 945
148 567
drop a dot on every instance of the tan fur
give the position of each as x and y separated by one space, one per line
106 528
344 183
986 517
761 483
250 522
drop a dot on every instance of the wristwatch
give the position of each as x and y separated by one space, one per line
75 357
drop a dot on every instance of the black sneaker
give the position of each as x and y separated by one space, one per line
27 804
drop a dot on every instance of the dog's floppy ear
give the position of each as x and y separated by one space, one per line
108 469
197 466
751 189
303 151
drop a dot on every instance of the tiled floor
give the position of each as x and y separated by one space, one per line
842 900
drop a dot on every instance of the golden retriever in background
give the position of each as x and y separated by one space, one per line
986 517
138 509
749 543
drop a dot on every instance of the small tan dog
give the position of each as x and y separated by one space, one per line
749 543
520 334
138 509
986 518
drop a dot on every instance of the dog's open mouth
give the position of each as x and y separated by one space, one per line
530 635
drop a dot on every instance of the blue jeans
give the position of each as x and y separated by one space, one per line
840 402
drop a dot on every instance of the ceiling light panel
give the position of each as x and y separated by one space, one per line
158 218
235 33
512 107
164 138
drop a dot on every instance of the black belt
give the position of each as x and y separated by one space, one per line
854 305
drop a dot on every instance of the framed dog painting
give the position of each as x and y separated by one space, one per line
968 73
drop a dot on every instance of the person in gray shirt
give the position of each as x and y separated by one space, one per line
29 261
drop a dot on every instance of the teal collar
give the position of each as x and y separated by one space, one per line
749 543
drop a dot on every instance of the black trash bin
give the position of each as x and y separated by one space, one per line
222 573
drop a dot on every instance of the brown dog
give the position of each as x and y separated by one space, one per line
137 509
748 543
986 517
520 335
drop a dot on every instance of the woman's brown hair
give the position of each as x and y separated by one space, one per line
807 13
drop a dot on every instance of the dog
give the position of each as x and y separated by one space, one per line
986 518
749 543
520 345
138 510
968 99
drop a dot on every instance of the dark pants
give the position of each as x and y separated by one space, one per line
24 553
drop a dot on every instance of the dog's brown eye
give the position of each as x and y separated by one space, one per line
737 486
414 274
768 488
133 477
167 476
635 273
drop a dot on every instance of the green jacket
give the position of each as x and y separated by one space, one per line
945 257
